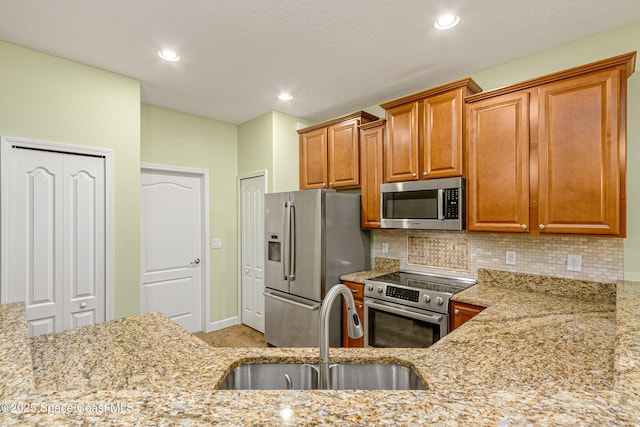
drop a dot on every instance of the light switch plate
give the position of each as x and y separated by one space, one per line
574 262
216 243
510 258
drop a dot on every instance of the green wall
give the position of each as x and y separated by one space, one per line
177 139
285 148
604 45
46 98
255 147
270 142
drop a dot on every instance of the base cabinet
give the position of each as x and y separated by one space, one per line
357 289
461 313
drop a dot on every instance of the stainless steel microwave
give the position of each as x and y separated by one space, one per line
432 204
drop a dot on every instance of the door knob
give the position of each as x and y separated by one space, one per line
83 305
196 261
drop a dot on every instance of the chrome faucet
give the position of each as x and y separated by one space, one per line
354 328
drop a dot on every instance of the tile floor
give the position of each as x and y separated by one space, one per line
234 336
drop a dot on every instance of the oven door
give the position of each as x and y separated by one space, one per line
394 325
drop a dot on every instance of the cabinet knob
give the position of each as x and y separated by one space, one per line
414 174
456 311
355 291
360 306
541 226
324 184
524 226
424 174
331 184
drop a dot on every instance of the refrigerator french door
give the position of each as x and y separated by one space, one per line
312 238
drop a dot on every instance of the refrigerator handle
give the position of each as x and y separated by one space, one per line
286 241
292 242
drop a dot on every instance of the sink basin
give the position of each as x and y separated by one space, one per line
344 376
271 376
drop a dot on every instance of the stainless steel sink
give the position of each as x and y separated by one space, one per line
343 376
271 376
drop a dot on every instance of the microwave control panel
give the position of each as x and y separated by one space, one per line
451 203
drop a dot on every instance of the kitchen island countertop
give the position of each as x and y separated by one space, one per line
531 357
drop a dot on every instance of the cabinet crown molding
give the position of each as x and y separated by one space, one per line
374 124
627 60
468 82
362 115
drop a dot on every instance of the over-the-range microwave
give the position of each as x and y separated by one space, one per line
431 204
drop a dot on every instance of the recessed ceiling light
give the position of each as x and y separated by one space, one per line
446 21
168 55
285 97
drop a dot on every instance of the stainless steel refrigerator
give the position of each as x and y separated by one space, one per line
312 238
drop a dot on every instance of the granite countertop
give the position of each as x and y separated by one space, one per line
534 356
382 266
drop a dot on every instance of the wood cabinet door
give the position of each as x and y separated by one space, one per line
462 313
313 159
344 155
498 162
401 143
441 135
371 146
358 296
580 174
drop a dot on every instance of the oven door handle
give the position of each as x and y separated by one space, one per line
404 311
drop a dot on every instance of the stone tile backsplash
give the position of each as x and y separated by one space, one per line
461 254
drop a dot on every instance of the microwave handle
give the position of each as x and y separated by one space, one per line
441 202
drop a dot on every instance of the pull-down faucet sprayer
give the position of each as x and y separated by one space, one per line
354 327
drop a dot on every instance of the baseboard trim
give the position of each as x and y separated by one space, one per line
221 324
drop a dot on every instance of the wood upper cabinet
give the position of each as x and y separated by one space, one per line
330 153
498 164
548 156
313 159
357 289
424 133
581 175
401 145
461 313
371 149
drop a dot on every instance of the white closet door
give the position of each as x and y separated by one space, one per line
84 240
56 239
252 251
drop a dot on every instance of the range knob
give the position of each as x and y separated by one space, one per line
440 301
370 287
427 299
379 289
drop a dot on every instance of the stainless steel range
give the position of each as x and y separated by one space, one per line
405 309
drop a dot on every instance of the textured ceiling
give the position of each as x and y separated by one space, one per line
334 56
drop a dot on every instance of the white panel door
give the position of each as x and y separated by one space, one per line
171 245
56 254
84 240
252 251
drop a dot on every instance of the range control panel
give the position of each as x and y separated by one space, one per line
451 205
403 294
